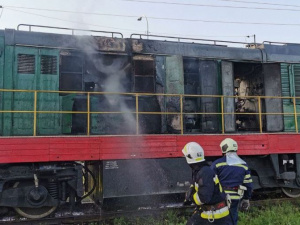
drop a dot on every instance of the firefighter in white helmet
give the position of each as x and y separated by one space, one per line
205 191
234 176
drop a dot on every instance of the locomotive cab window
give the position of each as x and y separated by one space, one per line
107 73
71 73
144 74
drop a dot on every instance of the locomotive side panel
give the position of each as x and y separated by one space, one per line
2 64
290 74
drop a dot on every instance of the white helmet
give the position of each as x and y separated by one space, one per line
193 153
228 145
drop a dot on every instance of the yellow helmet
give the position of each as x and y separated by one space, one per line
193 153
228 145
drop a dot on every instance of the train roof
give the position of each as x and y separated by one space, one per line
113 42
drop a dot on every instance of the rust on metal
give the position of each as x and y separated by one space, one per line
110 44
137 46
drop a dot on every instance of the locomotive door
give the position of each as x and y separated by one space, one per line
228 90
48 79
272 81
24 78
35 69
208 71
174 85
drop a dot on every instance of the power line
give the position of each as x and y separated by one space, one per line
126 29
175 3
214 6
225 22
259 3
49 17
165 18
67 11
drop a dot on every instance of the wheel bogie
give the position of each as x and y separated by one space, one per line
41 188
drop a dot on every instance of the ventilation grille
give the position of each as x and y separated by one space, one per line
26 64
48 64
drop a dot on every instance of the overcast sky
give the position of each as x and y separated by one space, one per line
235 20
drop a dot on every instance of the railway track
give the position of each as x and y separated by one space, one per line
90 214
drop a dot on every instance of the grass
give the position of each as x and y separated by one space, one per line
282 214
287 213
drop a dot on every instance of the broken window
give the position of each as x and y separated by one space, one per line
108 73
26 64
144 74
191 86
248 81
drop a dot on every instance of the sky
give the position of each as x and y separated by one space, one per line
230 20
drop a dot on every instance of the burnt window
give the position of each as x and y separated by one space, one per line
144 74
191 76
26 64
71 73
48 64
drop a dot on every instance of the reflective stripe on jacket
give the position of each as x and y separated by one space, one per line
232 176
208 191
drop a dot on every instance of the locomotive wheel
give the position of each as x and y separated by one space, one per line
291 192
33 213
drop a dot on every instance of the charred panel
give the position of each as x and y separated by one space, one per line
208 71
174 85
125 121
123 178
228 90
207 51
272 79
110 44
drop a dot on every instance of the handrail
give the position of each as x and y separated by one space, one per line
186 38
279 43
70 29
180 112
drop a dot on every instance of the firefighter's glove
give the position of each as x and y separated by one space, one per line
245 205
228 201
188 200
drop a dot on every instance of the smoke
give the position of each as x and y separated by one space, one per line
115 78
109 73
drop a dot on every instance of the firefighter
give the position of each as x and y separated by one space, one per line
205 191
234 176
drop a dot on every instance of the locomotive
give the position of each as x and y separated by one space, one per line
106 117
